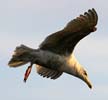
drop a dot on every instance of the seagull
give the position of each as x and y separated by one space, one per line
55 54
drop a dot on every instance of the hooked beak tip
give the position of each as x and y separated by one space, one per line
90 86
88 83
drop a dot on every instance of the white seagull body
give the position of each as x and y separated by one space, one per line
55 54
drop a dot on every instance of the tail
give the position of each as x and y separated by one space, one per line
21 56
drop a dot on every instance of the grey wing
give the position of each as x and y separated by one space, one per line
48 73
64 41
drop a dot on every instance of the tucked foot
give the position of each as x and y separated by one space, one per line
27 73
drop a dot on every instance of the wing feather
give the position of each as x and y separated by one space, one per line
48 73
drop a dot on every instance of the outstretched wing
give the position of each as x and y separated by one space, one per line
64 41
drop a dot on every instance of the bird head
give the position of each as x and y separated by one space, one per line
82 74
77 70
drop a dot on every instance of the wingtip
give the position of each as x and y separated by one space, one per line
93 8
92 15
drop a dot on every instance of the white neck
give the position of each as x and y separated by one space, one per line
73 66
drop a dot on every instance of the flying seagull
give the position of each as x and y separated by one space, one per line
55 54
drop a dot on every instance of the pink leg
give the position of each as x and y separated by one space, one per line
27 73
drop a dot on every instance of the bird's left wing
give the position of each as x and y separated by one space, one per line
64 41
48 73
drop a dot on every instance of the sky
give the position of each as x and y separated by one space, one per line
28 22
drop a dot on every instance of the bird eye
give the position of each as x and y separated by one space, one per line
85 73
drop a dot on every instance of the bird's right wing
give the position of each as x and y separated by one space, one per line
64 41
